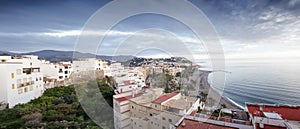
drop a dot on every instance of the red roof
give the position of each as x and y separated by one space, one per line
286 112
193 113
128 97
128 82
146 87
192 124
165 97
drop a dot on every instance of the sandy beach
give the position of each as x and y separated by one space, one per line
205 86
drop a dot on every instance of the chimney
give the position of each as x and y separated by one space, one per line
132 92
260 107
183 124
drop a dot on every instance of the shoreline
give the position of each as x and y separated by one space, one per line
233 102
224 99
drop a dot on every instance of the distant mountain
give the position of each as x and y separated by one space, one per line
56 56
7 52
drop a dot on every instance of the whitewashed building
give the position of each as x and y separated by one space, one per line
89 64
116 70
59 71
21 79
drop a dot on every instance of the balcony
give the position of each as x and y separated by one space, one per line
25 84
29 83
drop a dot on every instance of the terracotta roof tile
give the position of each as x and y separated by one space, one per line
165 97
286 112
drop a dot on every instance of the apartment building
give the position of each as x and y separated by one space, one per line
89 64
58 71
151 108
21 79
116 70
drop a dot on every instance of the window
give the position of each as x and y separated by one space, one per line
31 88
24 81
19 71
13 86
25 89
170 120
19 83
132 107
163 118
20 91
163 127
12 75
150 114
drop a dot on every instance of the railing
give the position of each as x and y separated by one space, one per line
19 85
25 84
29 83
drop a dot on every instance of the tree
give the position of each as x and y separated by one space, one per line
178 74
4 54
32 120
223 105
203 96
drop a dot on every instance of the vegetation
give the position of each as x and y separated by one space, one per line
57 108
4 54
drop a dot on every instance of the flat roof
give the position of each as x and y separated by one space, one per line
292 124
192 124
272 115
285 111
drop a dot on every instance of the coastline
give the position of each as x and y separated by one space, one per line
224 99
233 103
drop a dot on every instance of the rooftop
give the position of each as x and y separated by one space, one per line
165 97
181 104
275 111
128 97
192 124
292 124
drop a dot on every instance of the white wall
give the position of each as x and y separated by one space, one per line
18 87
59 71
88 64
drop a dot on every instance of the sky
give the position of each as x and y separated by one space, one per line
246 29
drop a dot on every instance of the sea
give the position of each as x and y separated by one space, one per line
270 81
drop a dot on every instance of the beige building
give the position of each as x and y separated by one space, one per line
150 108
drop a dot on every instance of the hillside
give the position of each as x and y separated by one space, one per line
56 56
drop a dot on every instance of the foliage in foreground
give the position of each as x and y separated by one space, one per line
57 108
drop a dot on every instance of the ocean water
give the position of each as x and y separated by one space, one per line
272 81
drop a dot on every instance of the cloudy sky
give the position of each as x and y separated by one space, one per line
246 29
